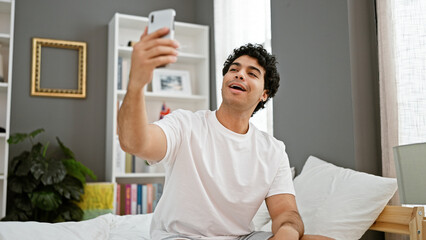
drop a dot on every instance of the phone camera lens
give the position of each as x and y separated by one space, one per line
152 18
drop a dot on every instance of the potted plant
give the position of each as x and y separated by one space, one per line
44 188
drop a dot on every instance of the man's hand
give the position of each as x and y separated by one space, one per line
149 53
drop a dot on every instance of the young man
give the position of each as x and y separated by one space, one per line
219 167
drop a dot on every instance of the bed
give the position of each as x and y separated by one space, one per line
393 219
333 201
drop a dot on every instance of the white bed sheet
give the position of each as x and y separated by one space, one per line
105 227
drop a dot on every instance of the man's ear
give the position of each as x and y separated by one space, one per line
264 96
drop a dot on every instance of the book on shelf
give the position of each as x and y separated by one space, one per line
134 197
149 197
120 158
129 159
158 190
122 201
144 199
128 199
128 163
123 71
119 73
133 164
138 198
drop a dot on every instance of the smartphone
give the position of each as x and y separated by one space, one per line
162 18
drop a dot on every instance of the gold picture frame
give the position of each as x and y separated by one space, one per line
36 90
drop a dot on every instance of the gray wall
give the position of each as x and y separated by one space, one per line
327 105
80 123
313 109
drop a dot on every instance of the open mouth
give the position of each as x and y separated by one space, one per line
237 87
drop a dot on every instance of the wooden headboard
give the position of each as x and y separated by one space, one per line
402 220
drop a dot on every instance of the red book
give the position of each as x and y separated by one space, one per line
128 199
150 196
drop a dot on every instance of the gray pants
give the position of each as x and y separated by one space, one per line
258 235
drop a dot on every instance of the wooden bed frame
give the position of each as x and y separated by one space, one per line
402 220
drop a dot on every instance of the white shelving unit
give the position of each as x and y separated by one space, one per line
193 57
7 12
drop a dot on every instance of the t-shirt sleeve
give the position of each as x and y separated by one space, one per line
283 181
171 125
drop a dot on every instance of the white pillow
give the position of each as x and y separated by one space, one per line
338 202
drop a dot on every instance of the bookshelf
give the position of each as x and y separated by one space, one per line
193 57
7 11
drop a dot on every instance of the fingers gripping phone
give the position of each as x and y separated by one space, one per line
162 18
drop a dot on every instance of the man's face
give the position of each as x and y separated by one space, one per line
243 84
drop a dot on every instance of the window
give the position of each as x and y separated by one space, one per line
401 31
410 68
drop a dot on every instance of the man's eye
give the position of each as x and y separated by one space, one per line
232 70
252 74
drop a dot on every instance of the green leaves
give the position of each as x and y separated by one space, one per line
23 203
16 161
68 153
16 214
17 138
55 172
70 212
22 184
44 188
46 200
20 137
71 188
78 170
36 132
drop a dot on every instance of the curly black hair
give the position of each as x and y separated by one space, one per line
266 60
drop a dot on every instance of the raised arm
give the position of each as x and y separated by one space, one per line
136 135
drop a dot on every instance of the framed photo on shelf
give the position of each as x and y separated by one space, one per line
167 81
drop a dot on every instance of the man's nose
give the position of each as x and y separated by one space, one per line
239 76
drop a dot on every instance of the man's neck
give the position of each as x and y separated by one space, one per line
233 120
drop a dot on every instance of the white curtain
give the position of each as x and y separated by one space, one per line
402 70
402 65
410 51
387 79
238 22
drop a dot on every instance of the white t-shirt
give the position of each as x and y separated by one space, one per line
216 179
